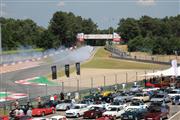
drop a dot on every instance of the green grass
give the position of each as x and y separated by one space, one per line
19 51
2 95
102 60
42 80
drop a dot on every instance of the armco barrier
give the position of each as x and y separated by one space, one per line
116 53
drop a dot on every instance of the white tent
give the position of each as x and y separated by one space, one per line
168 72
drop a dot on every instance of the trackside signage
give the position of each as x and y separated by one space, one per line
115 37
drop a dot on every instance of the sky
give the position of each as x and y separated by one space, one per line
104 13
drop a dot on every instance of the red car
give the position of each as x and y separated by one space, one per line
42 111
105 118
4 117
157 113
94 112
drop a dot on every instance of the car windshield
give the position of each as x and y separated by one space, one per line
53 119
113 109
134 86
94 108
76 107
123 94
173 92
139 94
153 110
159 96
67 101
116 103
135 104
131 109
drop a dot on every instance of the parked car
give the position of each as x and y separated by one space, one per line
141 96
137 104
94 112
77 110
106 93
106 118
157 113
58 117
124 97
176 100
133 114
136 88
160 104
39 118
65 105
160 98
119 103
2 117
114 111
43 110
174 92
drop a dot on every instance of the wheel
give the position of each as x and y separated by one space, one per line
96 116
78 115
53 111
114 117
161 118
43 114
167 116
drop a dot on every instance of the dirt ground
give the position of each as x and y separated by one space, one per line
100 77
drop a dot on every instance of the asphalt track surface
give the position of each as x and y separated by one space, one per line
7 82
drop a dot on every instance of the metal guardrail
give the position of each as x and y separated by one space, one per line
116 53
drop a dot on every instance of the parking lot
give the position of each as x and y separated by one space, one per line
173 110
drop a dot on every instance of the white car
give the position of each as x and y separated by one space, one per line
77 110
114 111
136 88
142 96
40 118
150 89
58 117
174 92
66 105
138 105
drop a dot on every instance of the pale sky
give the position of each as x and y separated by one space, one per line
103 12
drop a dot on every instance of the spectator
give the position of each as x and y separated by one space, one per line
29 112
55 97
61 96
39 100
16 112
69 95
51 98
21 112
16 104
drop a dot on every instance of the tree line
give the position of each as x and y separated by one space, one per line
154 35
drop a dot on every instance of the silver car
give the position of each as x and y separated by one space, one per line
66 105
123 97
160 98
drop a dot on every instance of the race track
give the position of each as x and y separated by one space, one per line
8 79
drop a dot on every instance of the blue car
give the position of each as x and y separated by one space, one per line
176 100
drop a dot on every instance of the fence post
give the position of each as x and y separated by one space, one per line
104 80
126 77
91 83
145 74
28 94
46 89
62 87
78 85
136 76
116 79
